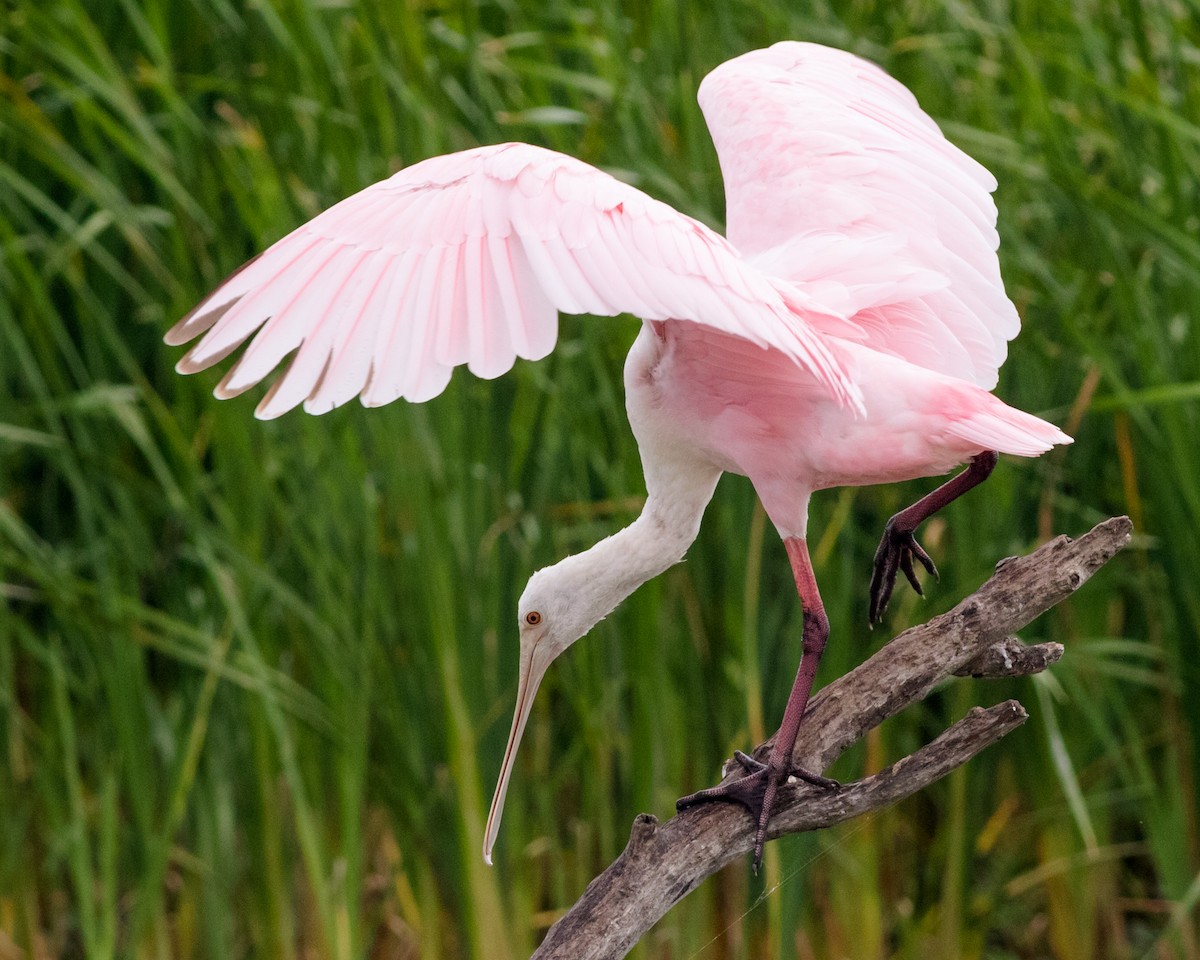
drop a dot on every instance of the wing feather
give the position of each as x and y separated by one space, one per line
390 344
350 357
553 257
536 316
314 340
623 260
249 310
508 280
498 350
422 371
449 320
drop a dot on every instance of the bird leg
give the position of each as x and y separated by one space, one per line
899 547
757 789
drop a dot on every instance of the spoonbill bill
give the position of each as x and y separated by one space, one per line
848 330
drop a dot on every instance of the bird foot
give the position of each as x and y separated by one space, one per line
756 792
897 550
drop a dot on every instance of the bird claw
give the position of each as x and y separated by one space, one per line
897 550
756 792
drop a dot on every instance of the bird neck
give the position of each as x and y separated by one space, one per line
598 579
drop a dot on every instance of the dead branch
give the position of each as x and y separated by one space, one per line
664 862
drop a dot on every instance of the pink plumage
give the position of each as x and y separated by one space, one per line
536 230
847 332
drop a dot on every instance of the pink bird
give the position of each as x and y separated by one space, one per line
847 332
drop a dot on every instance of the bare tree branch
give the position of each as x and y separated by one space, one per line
1011 657
664 862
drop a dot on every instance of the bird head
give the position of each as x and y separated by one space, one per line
551 615
563 602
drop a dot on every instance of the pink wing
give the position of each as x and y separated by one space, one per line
836 180
468 258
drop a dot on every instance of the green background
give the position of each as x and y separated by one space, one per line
255 678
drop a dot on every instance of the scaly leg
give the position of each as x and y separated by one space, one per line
756 791
899 547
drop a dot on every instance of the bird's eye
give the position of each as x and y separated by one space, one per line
533 618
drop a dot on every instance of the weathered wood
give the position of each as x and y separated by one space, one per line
1012 658
664 862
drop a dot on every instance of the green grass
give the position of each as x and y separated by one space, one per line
255 678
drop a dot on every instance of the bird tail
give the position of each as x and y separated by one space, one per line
996 426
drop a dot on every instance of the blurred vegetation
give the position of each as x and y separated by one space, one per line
255 678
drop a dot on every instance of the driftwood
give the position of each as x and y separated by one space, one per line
664 862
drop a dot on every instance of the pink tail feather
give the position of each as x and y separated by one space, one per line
996 426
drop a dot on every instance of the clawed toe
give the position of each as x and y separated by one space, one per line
748 763
825 783
756 792
896 552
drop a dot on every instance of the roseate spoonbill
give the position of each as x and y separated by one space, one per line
847 332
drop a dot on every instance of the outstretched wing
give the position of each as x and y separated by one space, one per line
836 180
468 258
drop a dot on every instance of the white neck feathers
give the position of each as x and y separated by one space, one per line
582 589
